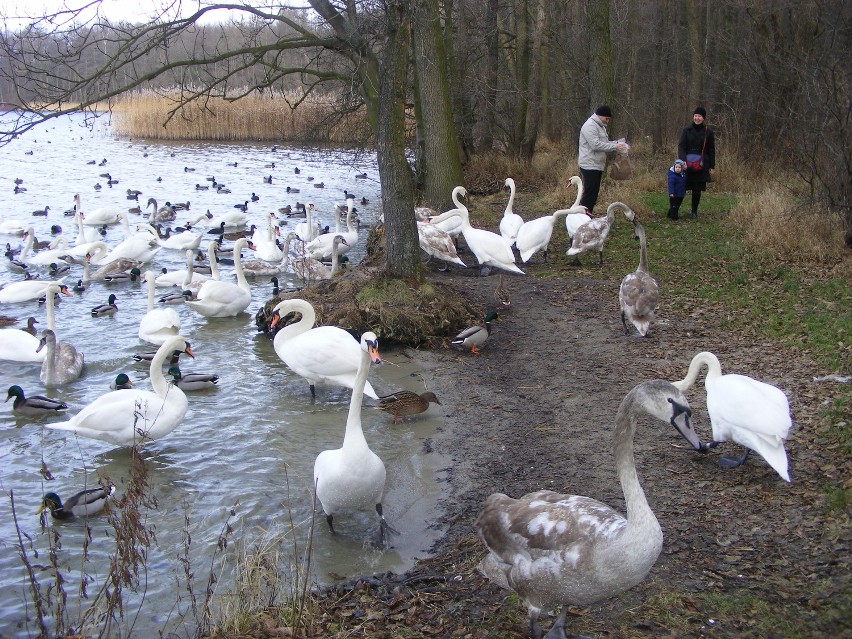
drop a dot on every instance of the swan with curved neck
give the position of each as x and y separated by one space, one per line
319 354
158 324
99 216
255 268
62 363
353 477
224 299
592 235
307 230
265 247
751 413
59 247
576 215
568 550
535 234
511 222
489 248
109 269
129 417
639 293
320 248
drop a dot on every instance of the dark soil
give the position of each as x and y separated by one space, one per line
745 554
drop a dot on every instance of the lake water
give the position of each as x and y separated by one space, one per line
248 444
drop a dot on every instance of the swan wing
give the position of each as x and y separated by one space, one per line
20 346
740 403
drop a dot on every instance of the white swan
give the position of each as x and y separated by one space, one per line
535 234
21 263
577 215
321 354
511 222
86 237
63 363
310 270
182 241
187 276
224 299
234 220
129 416
751 413
592 235
141 245
307 230
639 293
263 240
158 324
568 550
320 248
99 216
18 345
353 477
26 290
451 224
58 248
12 227
489 248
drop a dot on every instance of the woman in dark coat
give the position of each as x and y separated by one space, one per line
697 142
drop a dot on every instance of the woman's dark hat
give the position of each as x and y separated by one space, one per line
700 110
604 110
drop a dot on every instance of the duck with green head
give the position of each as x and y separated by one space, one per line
35 406
83 504
475 336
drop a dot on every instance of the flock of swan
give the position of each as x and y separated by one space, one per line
554 550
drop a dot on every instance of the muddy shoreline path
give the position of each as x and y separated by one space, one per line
745 554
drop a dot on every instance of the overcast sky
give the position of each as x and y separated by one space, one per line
16 11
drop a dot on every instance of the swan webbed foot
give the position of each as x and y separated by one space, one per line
624 323
557 631
385 530
329 519
733 462
484 271
313 391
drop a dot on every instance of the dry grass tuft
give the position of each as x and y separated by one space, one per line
278 117
773 221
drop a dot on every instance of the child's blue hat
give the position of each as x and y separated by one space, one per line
679 161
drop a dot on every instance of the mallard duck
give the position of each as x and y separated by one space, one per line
83 504
105 309
405 403
475 336
501 296
35 406
751 413
639 292
569 550
122 381
192 381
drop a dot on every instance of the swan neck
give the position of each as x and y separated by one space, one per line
354 433
150 280
242 282
714 370
579 195
305 323
643 253
510 205
158 381
638 510
51 311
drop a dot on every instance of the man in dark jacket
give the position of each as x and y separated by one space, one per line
697 147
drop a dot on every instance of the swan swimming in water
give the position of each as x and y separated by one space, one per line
569 550
130 416
158 324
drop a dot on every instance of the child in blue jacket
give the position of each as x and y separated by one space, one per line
677 187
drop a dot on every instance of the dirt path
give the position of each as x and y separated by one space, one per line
535 410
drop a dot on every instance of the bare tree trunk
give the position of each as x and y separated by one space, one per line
696 51
489 116
440 147
536 70
402 249
601 89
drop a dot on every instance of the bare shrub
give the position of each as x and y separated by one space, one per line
774 221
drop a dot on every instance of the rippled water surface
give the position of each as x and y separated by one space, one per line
248 444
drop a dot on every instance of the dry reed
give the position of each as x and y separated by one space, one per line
773 221
256 117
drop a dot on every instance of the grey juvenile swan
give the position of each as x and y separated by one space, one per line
568 550
639 293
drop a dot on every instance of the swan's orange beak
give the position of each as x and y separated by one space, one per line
64 290
373 350
276 316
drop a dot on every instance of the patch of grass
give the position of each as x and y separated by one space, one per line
764 620
837 498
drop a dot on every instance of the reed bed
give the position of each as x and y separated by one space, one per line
315 119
